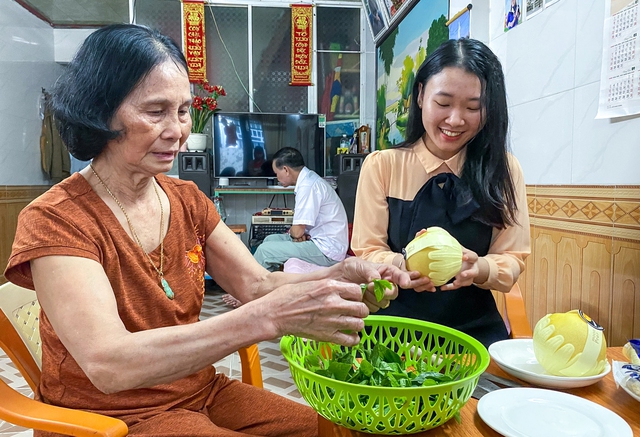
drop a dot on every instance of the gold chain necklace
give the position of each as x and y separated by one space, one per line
163 282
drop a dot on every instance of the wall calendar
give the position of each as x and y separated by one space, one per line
620 76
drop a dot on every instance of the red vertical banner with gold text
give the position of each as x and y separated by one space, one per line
301 44
194 39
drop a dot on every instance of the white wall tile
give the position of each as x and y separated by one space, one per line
499 48
26 66
496 19
541 138
589 39
13 14
67 42
479 26
605 151
552 67
541 54
23 37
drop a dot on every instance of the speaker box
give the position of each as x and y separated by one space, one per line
347 162
196 167
347 185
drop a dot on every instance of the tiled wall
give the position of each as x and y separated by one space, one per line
26 66
583 183
552 65
585 255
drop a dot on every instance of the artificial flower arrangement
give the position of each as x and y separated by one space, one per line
204 105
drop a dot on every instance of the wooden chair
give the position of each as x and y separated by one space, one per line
20 339
511 306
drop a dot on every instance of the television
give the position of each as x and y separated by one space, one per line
245 142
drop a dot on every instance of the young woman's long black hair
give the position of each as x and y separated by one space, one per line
486 170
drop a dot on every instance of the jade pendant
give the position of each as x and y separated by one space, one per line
167 290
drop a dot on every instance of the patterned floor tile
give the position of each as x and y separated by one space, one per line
275 370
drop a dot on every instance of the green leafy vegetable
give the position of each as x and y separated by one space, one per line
379 286
377 366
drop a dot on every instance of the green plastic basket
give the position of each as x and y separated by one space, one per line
392 410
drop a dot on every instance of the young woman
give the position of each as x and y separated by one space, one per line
452 171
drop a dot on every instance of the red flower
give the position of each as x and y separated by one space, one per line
205 104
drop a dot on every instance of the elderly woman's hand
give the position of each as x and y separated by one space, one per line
359 271
326 310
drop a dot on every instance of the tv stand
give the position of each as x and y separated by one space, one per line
235 189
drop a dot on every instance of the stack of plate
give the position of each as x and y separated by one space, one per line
516 357
535 412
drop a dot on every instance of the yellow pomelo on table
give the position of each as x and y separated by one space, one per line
435 254
570 344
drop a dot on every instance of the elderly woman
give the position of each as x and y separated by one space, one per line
117 252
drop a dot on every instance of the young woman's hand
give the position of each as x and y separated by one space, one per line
418 282
421 283
469 271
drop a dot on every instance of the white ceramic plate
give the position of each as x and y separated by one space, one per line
280 187
516 357
632 394
535 412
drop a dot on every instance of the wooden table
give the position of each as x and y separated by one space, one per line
603 392
238 229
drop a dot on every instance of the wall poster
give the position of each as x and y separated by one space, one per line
395 6
533 8
194 39
301 44
512 14
399 55
620 74
460 24
378 21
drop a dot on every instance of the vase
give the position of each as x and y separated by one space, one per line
217 201
197 142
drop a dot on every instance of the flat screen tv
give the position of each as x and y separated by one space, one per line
245 142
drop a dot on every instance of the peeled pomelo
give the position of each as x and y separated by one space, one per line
435 254
570 344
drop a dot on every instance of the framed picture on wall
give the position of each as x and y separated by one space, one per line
400 52
460 24
512 14
378 21
393 7
533 8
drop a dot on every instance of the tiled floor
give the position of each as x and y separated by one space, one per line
275 370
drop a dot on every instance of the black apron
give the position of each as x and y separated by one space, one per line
445 202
